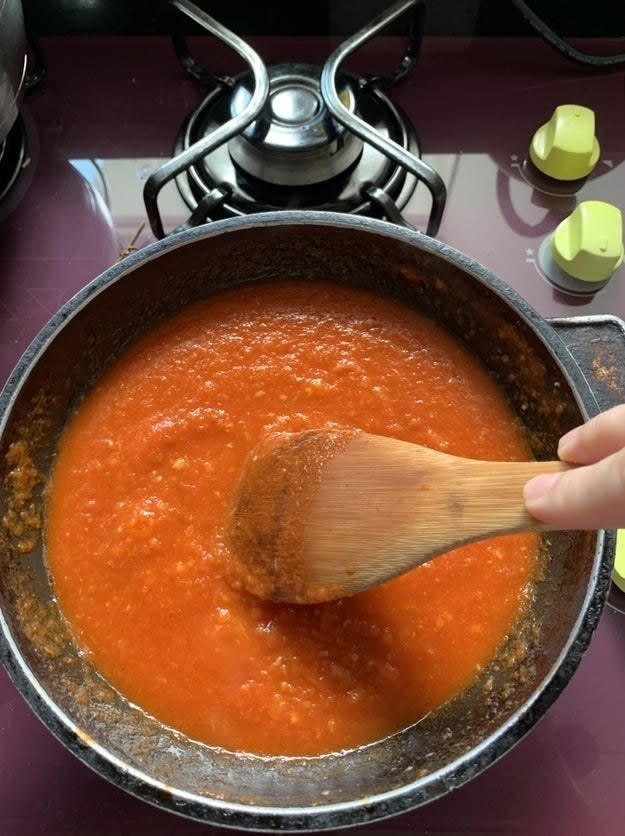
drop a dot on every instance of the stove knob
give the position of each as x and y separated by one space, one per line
618 573
565 147
585 248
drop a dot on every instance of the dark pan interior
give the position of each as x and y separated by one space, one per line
398 773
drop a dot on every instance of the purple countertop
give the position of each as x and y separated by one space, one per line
103 118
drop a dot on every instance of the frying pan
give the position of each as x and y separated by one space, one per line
521 351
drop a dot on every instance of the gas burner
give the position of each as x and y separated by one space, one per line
12 156
297 136
295 155
295 142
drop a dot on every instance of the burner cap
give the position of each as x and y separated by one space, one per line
295 141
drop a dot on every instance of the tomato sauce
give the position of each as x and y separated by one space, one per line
141 490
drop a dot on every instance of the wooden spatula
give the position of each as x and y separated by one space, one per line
324 514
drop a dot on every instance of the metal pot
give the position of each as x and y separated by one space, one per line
422 762
12 62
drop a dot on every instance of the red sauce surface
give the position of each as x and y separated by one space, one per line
141 490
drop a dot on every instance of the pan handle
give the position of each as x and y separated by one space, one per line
223 133
597 345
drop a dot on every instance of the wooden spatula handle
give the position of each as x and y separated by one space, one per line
493 494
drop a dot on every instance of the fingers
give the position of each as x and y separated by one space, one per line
600 437
587 497
591 496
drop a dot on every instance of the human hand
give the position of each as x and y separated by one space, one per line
591 496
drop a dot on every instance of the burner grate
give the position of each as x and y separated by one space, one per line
245 192
297 136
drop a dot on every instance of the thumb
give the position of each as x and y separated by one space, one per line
587 497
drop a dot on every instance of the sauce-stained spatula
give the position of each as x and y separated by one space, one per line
322 514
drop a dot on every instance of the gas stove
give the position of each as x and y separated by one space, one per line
100 175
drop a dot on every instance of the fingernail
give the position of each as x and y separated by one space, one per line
539 486
567 441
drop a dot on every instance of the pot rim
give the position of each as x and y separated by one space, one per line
377 807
